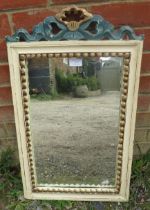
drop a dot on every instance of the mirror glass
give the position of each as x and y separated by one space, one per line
74 116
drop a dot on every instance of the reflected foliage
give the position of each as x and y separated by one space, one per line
66 84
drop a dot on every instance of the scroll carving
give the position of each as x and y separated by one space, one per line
74 23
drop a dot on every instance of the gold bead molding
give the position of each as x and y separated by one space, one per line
124 95
25 101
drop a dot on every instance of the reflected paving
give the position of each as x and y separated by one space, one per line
75 140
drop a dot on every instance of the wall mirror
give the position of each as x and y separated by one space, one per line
75 85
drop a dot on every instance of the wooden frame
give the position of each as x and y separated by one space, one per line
131 51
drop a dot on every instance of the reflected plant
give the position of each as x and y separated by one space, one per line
67 83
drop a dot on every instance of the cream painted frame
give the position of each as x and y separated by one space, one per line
132 53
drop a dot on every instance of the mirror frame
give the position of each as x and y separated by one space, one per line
131 51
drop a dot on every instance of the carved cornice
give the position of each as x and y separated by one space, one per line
74 23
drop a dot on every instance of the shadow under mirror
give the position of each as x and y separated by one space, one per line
74 117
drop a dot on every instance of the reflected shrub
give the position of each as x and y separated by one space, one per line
93 83
68 83
63 83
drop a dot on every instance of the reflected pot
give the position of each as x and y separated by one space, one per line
81 91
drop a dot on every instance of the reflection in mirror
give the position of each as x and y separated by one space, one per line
74 111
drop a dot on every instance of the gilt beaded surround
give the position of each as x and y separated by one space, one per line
126 62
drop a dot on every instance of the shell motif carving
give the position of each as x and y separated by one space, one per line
73 17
